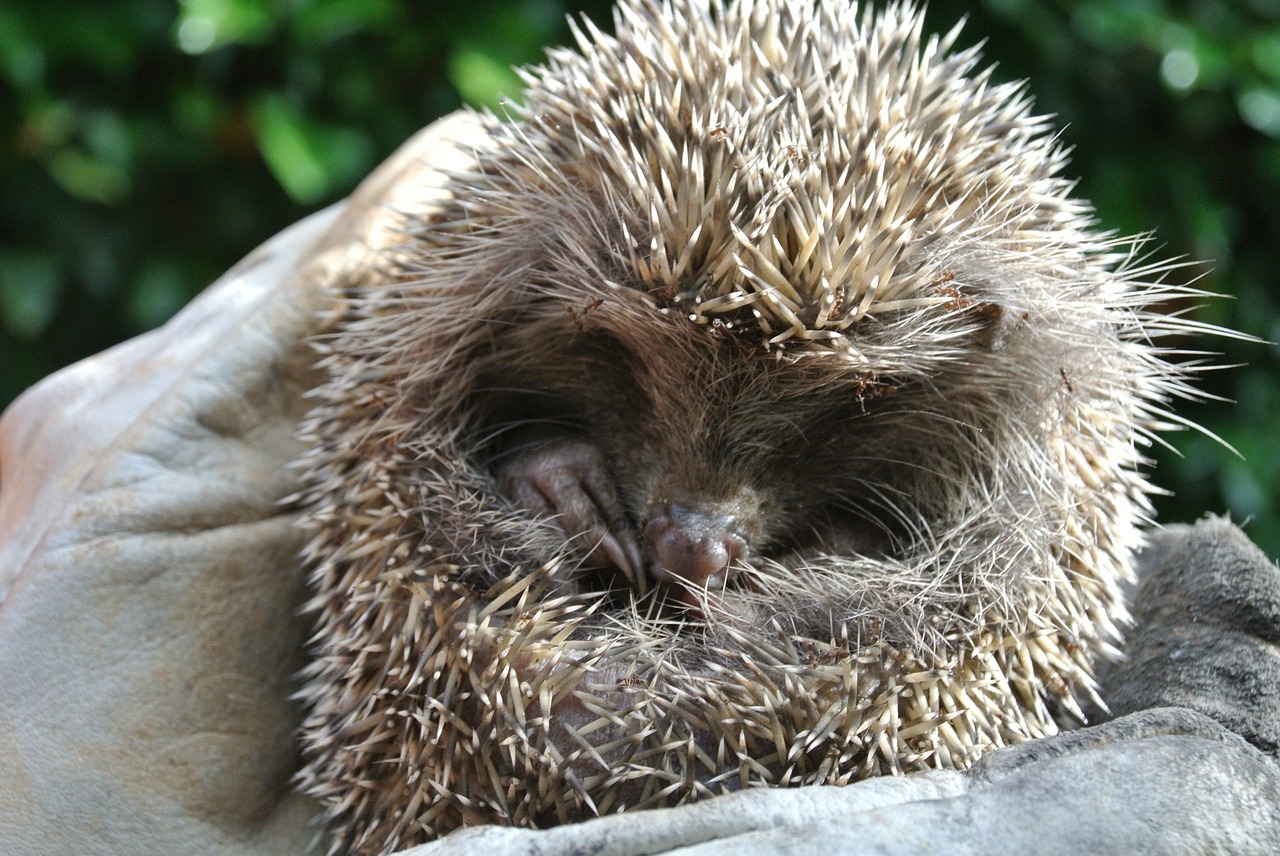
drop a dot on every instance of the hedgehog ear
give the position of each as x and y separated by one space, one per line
993 324
976 297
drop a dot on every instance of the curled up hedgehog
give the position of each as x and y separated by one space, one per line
757 409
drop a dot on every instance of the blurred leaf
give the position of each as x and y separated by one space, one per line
29 289
21 57
107 137
481 79
324 21
196 112
156 296
1113 25
203 25
307 158
1180 68
103 39
1264 50
1260 109
87 177
288 149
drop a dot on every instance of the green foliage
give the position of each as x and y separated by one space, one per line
149 145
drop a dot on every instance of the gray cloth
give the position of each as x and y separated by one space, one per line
1207 627
149 586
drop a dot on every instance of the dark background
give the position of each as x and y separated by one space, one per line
148 145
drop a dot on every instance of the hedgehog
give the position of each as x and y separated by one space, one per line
757 408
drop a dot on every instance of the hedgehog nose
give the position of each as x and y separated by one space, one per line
692 548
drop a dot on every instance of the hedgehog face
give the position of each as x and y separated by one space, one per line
758 409
682 460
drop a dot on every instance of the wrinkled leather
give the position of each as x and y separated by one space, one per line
149 586
149 574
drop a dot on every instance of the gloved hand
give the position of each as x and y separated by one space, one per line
149 576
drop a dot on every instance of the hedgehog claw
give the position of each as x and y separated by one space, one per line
565 479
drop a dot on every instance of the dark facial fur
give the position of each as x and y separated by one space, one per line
674 460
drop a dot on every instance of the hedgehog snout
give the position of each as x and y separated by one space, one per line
692 548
